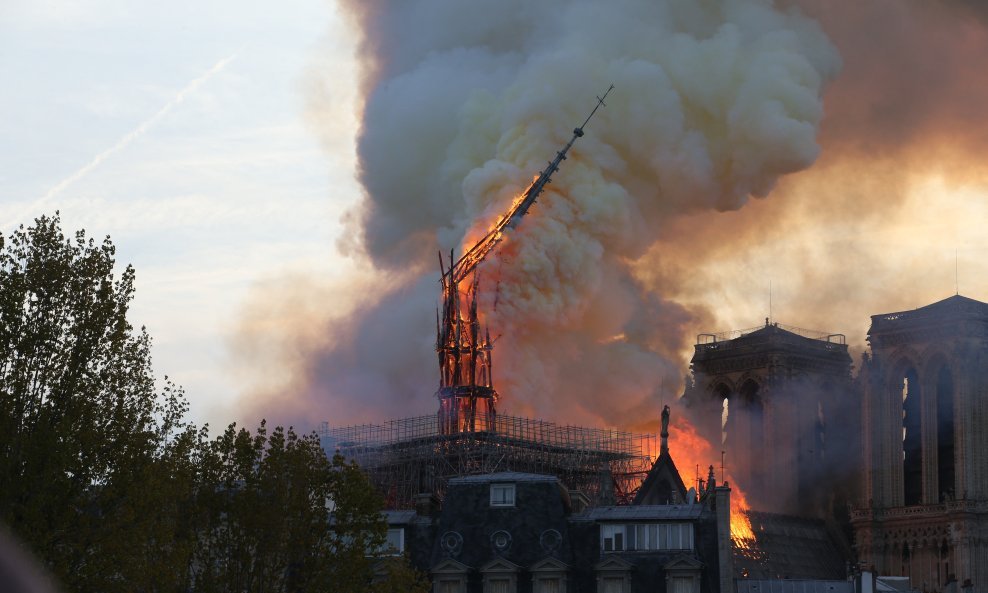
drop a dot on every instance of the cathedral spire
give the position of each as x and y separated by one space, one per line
664 435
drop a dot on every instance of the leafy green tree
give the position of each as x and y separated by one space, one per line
109 485
284 517
81 424
358 526
265 496
402 577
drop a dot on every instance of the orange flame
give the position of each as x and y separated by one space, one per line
480 229
741 531
693 456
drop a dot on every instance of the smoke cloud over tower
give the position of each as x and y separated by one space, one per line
714 101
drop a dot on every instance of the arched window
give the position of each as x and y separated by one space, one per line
945 434
912 465
751 403
723 395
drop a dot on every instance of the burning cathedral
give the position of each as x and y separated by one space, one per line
883 472
895 454
488 502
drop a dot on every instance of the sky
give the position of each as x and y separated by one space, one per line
220 145
182 131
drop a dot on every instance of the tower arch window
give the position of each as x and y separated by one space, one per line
723 395
945 434
754 410
912 464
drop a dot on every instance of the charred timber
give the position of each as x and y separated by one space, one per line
467 398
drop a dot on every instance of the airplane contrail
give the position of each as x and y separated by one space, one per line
136 133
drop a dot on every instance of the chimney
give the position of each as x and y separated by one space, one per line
426 505
725 549
867 584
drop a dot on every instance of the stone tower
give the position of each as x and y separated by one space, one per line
773 397
924 511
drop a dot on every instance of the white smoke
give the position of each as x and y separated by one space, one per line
465 101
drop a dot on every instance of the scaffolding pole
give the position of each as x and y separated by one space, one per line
411 456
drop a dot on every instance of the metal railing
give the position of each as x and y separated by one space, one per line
725 339
509 427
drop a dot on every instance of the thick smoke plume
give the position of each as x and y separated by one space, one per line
465 101
879 222
642 241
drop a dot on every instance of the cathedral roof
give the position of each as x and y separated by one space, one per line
790 547
772 330
668 512
952 304
771 337
953 308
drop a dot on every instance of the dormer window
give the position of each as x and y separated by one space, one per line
502 495
643 537
395 543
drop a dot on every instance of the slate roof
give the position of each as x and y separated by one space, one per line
789 547
399 517
892 584
793 586
645 512
503 477
664 466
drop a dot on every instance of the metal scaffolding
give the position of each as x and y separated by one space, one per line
467 398
412 456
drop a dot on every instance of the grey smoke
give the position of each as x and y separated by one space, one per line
465 101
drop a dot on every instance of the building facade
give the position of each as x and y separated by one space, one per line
903 444
514 532
924 509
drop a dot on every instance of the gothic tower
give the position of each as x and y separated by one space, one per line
771 396
925 501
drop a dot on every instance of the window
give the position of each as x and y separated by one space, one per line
500 576
613 575
912 445
449 586
502 495
645 537
612 537
682 585
449 576
395 544
549 575
945 435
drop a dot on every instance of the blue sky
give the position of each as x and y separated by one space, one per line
206 193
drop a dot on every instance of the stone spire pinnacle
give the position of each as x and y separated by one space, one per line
664 435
